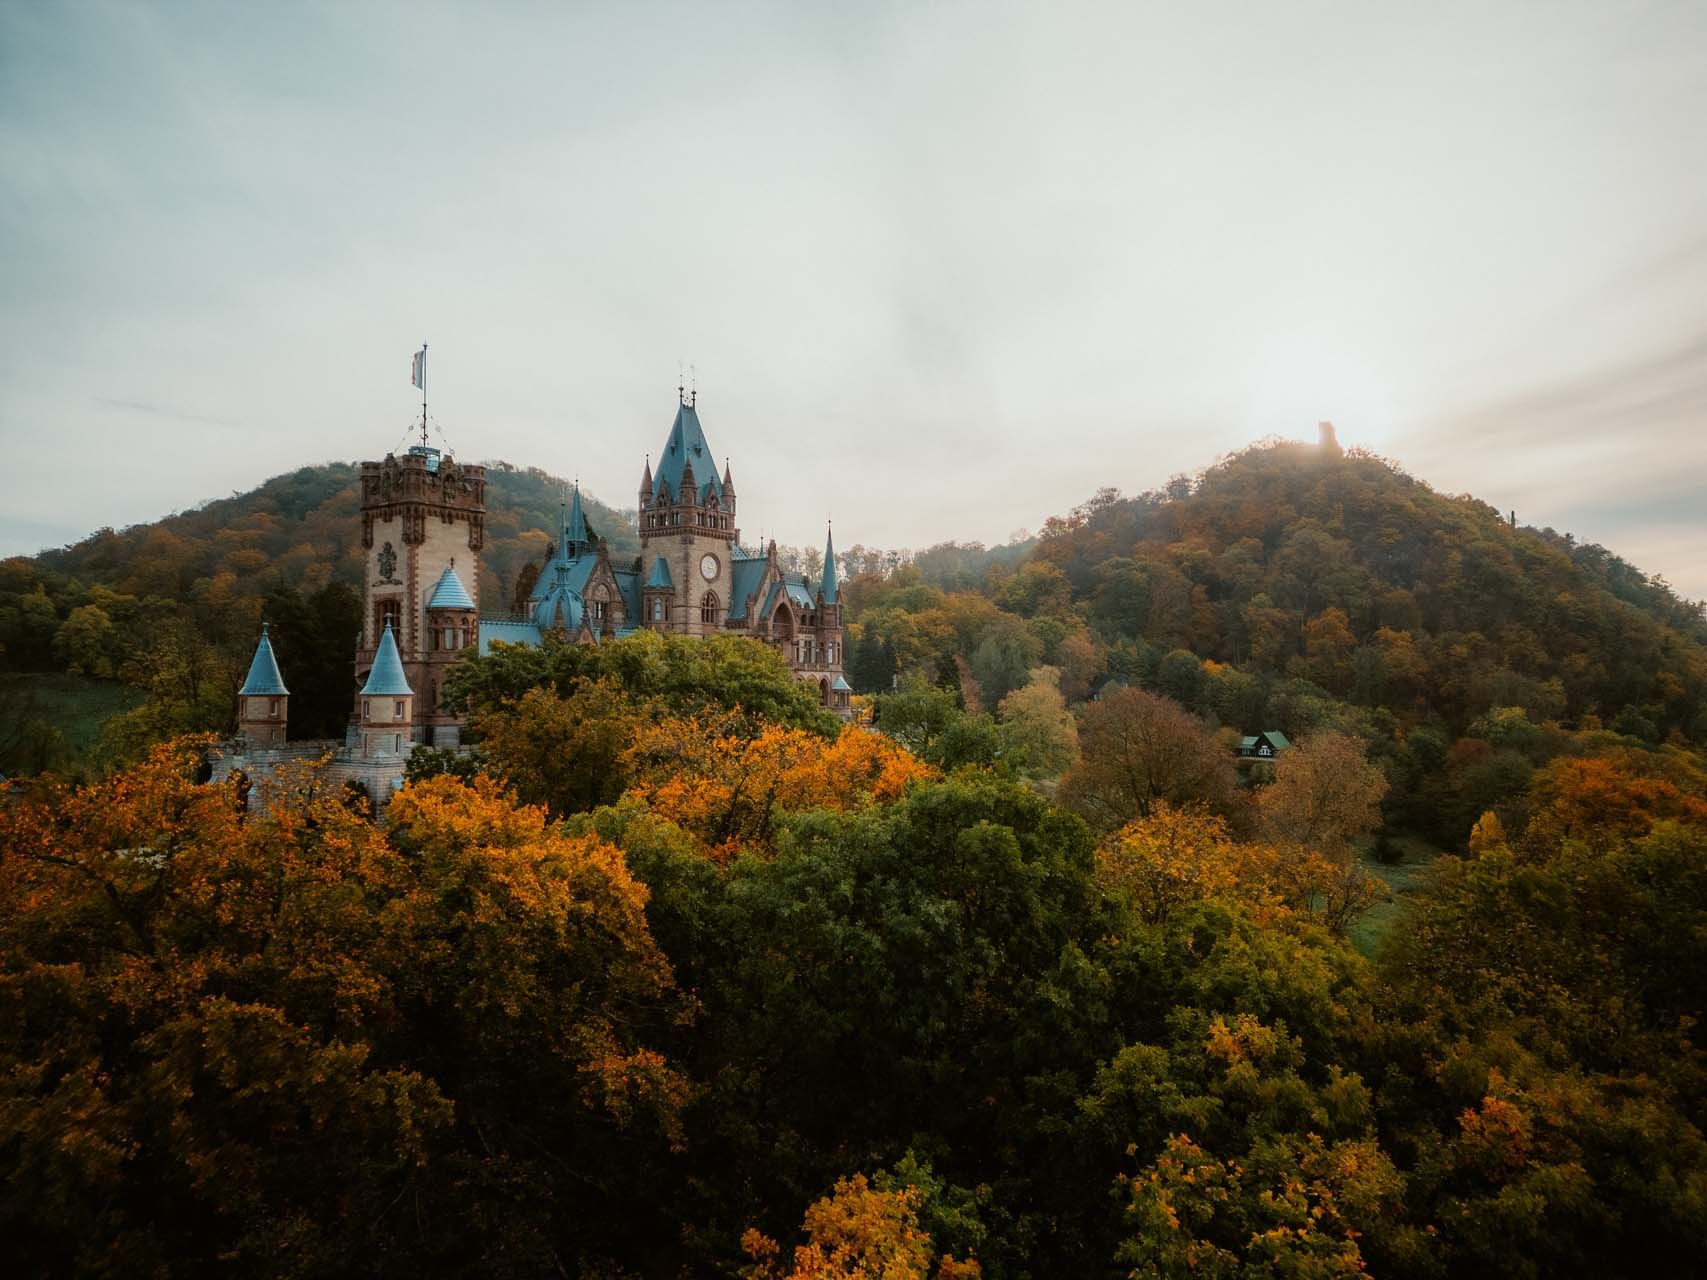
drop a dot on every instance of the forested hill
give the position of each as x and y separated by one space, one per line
1339 568
302 529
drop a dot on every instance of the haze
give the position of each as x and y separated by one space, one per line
941 271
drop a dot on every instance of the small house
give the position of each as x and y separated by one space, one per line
1262 746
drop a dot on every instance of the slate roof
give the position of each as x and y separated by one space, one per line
660 576
686 445
841 686
264 678
507 633
387 675
628 582
748 573
450 593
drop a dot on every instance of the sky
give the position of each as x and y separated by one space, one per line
940 270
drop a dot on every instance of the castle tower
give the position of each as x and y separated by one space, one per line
419 512
386 703
453 625
263 703
690 525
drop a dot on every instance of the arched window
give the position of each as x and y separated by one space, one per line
657 609
708 609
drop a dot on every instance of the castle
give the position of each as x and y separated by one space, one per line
423 524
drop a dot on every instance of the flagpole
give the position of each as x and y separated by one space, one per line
423 397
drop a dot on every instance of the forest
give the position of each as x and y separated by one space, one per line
1029 973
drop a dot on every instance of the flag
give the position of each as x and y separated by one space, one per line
418 376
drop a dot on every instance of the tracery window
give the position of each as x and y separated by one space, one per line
708 608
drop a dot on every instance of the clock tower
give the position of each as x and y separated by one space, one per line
687 520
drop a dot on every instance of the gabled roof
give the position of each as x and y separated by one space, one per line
450 593
748 573
660 576
387 675
628 583
686 445
264 677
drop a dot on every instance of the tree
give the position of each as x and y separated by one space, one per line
1004 658
293 1039
85 642
1137 749
1325 794
566 753
858 1232
1037 728
687 675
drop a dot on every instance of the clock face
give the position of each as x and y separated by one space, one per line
708 567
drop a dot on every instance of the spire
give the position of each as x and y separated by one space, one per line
264 677
387 675
827 587
575 531
728 483
646 481
685 444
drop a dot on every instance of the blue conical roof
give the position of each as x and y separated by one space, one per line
264 677
660 574
828 585
686 445
576 529
387 675
450 593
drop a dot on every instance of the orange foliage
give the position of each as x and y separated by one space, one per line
858 1233
726 788
1602 802
1179 856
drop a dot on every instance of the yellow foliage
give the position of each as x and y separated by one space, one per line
725 788
858 1233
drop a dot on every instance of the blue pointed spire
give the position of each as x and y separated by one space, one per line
387 675
264 677
576 530
827 587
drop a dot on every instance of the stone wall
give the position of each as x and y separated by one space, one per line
270 767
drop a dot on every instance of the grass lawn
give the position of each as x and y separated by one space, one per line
1402 878
75 705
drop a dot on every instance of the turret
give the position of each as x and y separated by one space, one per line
263 703
387 703
646 485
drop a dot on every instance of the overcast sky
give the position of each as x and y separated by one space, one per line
943 269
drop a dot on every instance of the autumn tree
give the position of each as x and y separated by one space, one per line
858 1232
1037 728
1136 749
1325 794
296 1037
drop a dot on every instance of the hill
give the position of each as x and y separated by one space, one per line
302 528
